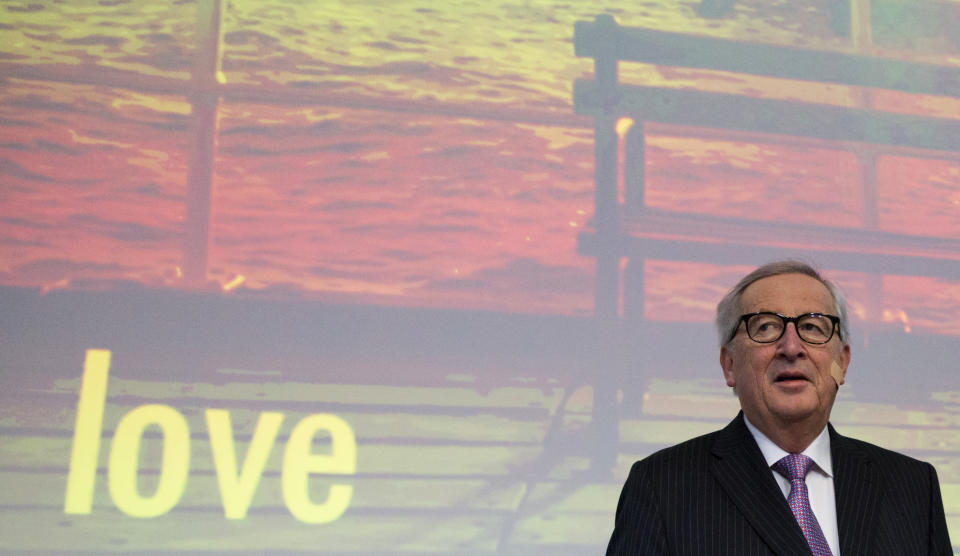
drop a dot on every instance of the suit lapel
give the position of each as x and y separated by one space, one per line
858 492
742 472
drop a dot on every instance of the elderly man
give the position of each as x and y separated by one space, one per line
779 479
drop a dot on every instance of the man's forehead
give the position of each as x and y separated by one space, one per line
791 292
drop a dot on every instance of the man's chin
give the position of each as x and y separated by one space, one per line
795 404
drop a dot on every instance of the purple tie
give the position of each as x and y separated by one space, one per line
795 467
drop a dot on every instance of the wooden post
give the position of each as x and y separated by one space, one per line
607 292
861 36
608 346
204 101
634 185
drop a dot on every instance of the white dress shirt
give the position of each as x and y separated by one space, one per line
819 480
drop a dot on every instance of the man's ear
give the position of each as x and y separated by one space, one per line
726 363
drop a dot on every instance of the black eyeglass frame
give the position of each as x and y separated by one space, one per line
834 320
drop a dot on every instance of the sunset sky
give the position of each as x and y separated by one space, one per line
441 164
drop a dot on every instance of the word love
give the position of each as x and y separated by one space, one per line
236 486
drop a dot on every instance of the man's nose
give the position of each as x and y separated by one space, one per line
790 345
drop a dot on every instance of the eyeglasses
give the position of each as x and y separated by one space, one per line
765 327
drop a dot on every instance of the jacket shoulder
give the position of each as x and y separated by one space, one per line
886 459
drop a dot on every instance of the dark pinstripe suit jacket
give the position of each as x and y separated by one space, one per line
714 495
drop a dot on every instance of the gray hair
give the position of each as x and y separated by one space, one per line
728 310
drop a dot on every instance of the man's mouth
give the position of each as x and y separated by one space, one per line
790 377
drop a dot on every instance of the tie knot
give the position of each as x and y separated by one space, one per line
794 466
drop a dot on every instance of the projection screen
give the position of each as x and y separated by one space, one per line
426 277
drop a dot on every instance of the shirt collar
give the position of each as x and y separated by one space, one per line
818 450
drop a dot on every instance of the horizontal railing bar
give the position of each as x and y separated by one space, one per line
787 117
603 37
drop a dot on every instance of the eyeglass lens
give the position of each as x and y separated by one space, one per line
768 327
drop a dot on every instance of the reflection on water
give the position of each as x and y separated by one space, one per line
414 208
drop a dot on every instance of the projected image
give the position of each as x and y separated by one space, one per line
427 278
